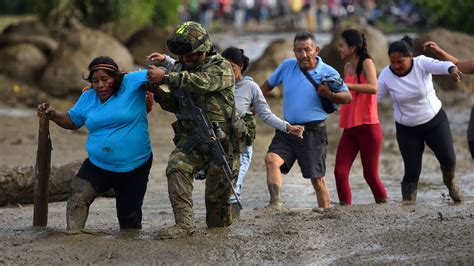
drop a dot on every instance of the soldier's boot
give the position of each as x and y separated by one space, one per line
448 180
81 195
184 225
409 192
218 214
276 201
175 231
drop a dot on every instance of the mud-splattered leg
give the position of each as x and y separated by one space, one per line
81 195
448 180
409 190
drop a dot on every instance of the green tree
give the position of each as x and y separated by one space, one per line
166 12
9 7
119 17
453 14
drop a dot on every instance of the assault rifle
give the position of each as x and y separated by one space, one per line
205 132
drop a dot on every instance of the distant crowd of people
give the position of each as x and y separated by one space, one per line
303 14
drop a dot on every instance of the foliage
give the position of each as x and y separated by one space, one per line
166 12
453 14
120 17
8 7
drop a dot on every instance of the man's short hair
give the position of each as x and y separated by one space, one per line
303 36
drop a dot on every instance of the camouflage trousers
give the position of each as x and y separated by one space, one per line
180 170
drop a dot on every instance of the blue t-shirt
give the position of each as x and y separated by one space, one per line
118 139
301 102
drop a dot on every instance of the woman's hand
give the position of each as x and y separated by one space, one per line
431 47
455 73
45 110
155 74
155 56
296 130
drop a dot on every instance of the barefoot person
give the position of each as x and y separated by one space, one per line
419 117
302 106
359 119
118 145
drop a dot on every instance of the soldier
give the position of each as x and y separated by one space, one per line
209 78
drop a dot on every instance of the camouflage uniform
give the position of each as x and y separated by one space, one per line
212 87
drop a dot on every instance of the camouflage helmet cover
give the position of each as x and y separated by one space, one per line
189 37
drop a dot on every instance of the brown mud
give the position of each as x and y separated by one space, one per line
432 231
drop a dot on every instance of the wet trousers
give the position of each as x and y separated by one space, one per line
180 169
366 139
245 160
91 181
436 133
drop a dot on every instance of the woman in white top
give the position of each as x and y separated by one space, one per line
418 114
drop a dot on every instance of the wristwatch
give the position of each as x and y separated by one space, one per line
166 79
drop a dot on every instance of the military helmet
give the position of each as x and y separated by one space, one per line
189 37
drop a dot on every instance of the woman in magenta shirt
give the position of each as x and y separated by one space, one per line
359 119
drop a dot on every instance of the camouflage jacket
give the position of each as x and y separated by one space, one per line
209 83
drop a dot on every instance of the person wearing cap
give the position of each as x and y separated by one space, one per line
208 77
118 144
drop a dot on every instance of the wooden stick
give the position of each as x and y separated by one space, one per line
42 172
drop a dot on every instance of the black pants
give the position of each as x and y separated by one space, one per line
411 141
470 133
129 187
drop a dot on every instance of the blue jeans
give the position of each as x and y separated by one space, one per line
245 160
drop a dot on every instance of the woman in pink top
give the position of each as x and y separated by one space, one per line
359 119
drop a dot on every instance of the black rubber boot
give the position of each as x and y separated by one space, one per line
409 192
448 180
275 197
275 194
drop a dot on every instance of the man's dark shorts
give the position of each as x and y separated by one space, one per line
309 151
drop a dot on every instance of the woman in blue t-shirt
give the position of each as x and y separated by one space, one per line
118 144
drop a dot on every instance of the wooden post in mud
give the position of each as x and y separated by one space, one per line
42 171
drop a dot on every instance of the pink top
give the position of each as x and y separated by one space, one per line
362 109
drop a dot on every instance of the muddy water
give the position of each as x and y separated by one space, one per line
432 231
